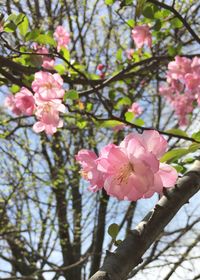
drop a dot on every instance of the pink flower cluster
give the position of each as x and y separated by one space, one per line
62 37
46 103
100 68
183 78
141 35
46 61
130 53
131 170
22 103
136 109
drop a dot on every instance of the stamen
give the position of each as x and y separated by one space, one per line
124 173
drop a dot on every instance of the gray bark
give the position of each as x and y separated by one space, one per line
128 255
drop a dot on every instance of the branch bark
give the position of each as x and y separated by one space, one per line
128 255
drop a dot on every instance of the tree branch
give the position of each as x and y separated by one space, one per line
176 13
128 255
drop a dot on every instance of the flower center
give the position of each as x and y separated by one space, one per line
84 174
47 108
48 86
124 173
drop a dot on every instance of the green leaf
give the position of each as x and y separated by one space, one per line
111 123
109 2
161 14
196 136
179 168
113 230
139 7
10 27
44 39
15 88
138 122
11 17
112 94
194 147
173 154
19 18
89 107
65 53
125 101
157 25
131 22
148 11
177 131
189 160
174 50
60 68
32 35
118 242
81 124
72 94
93 76
129 116
65 97
129 2
23 26
176 23
119 54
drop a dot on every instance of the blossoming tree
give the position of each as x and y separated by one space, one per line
99 125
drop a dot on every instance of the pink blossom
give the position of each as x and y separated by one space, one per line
132 170
183 78
102 75
47 86
179 68
47 114
11 104
129 53
89 171
195 65
119 127
136 109
192 81
183 105
100 67
62 37
25 102
141 35
22 103
46 61
166 90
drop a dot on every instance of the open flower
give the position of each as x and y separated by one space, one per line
47 114
132 170
48 86
89 169
141 35
22 103
62 37
25 102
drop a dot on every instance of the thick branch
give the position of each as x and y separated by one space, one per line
99 233
129 254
